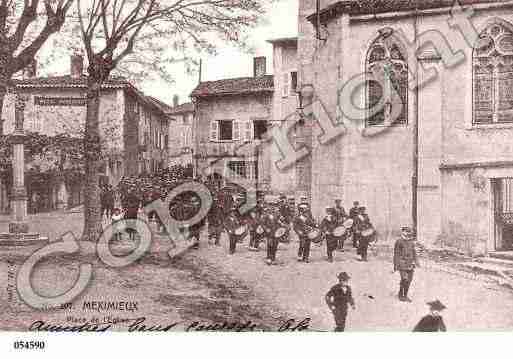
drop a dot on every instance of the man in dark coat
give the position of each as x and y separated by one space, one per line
353 214
328 224
363 224
195 229
215 222
302 226
405 261
433 322
270 224
338 298
255 226
231 223
340 216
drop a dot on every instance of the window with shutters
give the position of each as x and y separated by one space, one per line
493 75
386 87
214 131
259 129
248 131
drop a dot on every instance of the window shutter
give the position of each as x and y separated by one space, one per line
286 85
236 130
214 131
248 131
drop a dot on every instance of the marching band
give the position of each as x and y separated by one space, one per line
271 222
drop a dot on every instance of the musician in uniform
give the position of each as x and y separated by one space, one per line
433 322
303 224
254 222
353 214
270 223
215 222
405 261
231 224
340 216
328 225
338 299
195 228
363 224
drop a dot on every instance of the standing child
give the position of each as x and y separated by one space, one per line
433 322
338 298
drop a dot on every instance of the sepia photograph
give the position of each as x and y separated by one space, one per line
281 166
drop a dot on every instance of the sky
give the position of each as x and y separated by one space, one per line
281 21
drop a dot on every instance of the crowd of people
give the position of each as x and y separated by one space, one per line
272 221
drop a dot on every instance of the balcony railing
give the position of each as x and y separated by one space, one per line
227 149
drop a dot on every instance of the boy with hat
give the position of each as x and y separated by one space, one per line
338 298
328 225
405 261
433 322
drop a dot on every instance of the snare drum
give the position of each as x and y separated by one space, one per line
282 234
348 223
314 235
339 231
368 232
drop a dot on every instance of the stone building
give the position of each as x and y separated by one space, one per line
134 127
231 118
455 129
181 133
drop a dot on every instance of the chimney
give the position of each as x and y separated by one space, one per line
31 70
77 66
175 100
259 66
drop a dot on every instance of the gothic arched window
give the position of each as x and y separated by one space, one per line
492 66
387 83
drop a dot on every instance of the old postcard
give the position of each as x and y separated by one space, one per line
254 166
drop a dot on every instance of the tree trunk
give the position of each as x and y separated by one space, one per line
92 148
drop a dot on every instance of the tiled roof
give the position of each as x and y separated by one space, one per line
241 85
183 108
284 41
362 7
68 81
164 107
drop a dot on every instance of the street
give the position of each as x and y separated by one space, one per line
211 286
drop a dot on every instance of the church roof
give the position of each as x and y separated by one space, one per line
365 7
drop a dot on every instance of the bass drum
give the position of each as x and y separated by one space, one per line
315 235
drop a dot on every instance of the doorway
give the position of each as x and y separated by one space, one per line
503 213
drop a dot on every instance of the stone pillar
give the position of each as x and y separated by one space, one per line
62 195
19 193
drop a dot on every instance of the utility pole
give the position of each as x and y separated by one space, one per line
415 174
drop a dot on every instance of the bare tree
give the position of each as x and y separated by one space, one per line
117 30
25 26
